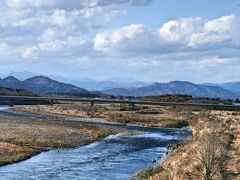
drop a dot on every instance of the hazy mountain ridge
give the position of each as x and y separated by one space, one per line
86 83
175 87
43 85
231 86
105 85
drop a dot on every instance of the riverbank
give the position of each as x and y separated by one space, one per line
214 151
22 138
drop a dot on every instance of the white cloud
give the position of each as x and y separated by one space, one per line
187 34
71 46
224 31
129 38
179 31
36 28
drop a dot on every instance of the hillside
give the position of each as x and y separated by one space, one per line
232 86
175 87
44 85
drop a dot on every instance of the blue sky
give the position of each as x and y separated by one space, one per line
146 40
161 11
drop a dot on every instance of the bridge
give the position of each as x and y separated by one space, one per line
92 101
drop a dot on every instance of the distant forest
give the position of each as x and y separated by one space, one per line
15 92
185 98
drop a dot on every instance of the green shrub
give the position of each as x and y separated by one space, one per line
104 133
177 124
150 171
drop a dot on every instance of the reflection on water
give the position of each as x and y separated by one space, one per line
115 157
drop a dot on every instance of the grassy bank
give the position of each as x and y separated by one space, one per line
214 152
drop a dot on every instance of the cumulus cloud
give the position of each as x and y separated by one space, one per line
187 34
71 46
41 27
129 38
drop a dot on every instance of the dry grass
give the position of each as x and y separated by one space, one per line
184 163
23 138
134 119
142 115
148 172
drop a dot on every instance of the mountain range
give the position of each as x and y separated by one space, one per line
176 87
44 85
231 86
86 83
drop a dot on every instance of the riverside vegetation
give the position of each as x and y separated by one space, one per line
150 116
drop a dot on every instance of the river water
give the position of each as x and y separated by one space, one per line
115 157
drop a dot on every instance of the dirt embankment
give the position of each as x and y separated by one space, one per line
214 152
23 138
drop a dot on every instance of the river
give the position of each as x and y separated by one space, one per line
115 157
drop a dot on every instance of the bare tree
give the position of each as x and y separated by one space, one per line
211 159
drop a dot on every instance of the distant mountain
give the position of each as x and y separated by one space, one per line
19 75
175 87
231 86
105 85
10 82
86 83
44 85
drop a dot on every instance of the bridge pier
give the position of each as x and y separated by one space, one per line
174 107
92 108
132 106
11 102
51 102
